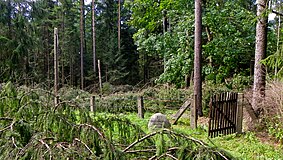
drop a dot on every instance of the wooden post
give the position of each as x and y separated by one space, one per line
99 76
92 103
193 121
187 81
56 77
140 107
181 111
239 113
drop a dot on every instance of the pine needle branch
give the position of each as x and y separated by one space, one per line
100 134
94 128
140 140
8 127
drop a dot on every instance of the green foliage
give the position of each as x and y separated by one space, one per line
275 63
227 38
106 88
275 128
32 127
35 129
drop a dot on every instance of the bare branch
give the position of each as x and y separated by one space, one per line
142 150
76 139
94 128
14 143
6 118
162 131
140 140
168 155
171 156
8 127
152 158
99 133
222 155
45 144
278 13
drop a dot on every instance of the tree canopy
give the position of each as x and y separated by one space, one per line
156 41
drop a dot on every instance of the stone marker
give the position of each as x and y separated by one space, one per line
157 121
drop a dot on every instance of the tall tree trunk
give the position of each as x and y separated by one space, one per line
278 36
62 53
119 25
260 53
93 36
197 59
9 16
82 43
56 76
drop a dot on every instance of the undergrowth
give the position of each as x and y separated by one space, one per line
32 127
272 119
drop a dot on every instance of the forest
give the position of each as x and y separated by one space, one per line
59 58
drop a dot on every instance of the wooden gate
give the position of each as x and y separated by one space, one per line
223 114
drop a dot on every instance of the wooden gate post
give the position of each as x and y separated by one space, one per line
239 113
140 107
92 104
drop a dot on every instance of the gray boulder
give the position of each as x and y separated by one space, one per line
157 121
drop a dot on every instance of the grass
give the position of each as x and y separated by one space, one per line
244 146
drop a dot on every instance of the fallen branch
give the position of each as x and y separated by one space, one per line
168 155
76 139
45 144
61 144
8 127
222 155
142 150
140 140
99 133
48 148
162 131
94 128
153 157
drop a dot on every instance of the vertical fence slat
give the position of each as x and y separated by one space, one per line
210 118
223 115
217 114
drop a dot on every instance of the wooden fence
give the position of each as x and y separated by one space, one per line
225 116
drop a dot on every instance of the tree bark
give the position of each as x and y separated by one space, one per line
119 25
93 36
56 76
197 59
260 54
82 42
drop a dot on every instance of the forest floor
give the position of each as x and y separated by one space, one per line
248 145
